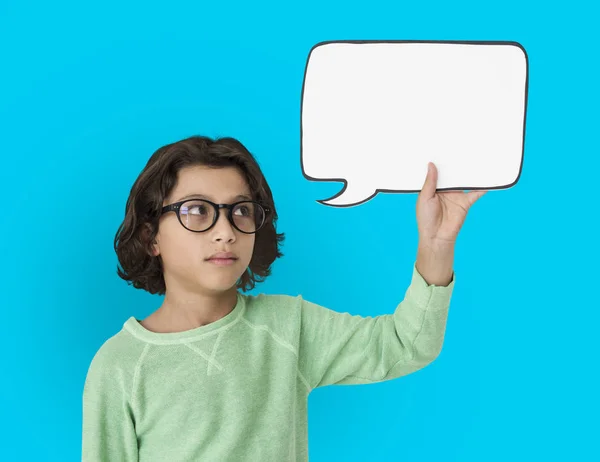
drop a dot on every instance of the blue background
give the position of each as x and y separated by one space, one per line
89 91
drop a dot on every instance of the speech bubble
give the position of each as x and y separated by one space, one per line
374 113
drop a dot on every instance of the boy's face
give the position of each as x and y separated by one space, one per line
186 254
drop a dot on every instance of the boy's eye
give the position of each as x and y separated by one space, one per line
243 210
196 208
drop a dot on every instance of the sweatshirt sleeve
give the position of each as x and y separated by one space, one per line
342 349
108 424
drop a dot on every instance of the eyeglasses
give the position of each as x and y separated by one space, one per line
199 215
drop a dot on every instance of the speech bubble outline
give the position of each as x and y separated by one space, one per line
367 191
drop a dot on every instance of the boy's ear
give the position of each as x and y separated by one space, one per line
153 248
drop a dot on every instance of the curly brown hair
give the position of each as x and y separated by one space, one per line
156 181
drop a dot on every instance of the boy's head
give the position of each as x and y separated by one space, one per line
159 246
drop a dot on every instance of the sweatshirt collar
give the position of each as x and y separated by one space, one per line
133 326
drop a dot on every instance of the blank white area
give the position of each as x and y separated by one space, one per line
376 113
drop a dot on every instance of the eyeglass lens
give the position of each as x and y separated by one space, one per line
199 215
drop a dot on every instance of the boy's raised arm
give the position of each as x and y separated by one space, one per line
341 349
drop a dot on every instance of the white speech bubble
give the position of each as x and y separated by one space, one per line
375 112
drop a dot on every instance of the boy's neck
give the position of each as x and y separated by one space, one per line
183 315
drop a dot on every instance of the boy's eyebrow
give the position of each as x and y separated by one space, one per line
202 196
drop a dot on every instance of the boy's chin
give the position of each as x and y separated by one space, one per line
219 285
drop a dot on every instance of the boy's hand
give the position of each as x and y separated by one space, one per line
440 215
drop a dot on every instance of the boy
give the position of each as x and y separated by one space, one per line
217 375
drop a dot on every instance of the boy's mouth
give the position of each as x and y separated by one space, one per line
222 258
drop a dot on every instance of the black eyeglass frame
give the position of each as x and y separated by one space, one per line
176 207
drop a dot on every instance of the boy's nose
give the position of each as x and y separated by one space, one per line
223 228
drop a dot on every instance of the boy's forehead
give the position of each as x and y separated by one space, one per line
218 183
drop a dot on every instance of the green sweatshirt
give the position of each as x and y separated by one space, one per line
237 389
